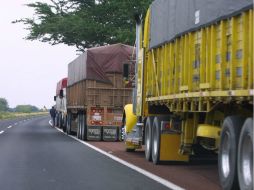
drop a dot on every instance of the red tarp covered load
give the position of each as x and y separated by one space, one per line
96 62
61 85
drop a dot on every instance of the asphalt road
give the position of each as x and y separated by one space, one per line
35 155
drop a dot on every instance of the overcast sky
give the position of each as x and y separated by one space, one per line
29 70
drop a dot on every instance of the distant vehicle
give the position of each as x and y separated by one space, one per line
194 86
60 98
97 92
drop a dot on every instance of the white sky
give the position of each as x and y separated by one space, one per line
29 70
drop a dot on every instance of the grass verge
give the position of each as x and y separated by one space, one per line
12 115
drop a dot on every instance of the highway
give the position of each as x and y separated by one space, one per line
35 155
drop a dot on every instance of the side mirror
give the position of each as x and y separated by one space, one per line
126 69
61 94
54 98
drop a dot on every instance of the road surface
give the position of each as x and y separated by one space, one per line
35 155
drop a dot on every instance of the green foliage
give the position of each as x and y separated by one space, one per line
84 24
26 108
5 115
20 110
3 104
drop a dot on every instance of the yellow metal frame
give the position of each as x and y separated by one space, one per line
196 71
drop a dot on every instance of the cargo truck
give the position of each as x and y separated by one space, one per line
97 93
194 86
60 98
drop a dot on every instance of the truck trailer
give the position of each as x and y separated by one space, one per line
97 92
60 98
194 86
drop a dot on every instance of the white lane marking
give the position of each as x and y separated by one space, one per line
1 132
9 127
50 122
15 123
138 169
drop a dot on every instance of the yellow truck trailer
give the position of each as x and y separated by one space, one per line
194 86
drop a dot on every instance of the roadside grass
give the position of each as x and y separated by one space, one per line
12 115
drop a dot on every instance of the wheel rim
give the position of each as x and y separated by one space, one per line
225 161
246 160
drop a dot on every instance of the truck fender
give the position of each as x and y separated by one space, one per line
130 118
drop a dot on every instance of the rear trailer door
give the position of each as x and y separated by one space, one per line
104 123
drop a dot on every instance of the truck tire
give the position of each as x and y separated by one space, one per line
64 123
122 134
60 121
83 128
245 156
57 120
68 127
227 157
156 136
156 141
79 127
148 138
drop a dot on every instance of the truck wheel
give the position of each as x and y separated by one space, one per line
227 157
64 123
78 130
84 128
57 119
245 156
122 134
148 138
156 143
60 121
68 130
80 126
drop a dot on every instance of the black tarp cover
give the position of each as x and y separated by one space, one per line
171 18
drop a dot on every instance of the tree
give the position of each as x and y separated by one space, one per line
26 108
3 104
84 23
